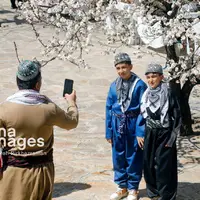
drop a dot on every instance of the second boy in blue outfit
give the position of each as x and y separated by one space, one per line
125 128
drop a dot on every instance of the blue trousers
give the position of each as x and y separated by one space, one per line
127 161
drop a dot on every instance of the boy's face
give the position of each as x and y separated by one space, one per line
124 70
154 79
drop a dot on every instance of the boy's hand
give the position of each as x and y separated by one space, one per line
140 142
109 141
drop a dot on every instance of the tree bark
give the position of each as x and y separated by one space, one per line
182 95
185 108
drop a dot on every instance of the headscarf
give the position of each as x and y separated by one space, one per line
28 97
124 90
156 99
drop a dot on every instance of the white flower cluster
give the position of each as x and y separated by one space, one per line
181 29
74 22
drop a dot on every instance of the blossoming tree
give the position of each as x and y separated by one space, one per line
173 24
180 28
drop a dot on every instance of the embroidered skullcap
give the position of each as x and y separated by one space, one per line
28 70
121 57
154 68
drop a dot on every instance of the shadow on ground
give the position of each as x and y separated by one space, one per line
142 193
5 11
65 188
188 151
196 133
15 17
188 191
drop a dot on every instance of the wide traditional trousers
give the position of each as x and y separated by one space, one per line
34 183
127 160
160 164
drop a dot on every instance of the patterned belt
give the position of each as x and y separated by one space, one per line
122 129
26 162
153 123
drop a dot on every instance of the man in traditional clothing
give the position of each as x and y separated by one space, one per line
27 142
161 110
125 128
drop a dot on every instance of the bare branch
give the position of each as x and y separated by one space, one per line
16 52
37 35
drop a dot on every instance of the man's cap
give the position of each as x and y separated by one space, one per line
121 57
28 70
154 68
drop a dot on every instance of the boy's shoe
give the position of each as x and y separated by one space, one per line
119 194
132 195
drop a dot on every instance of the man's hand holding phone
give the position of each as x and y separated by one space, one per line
68 93
71 97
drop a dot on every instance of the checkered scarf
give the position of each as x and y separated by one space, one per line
155 99
124 90
28 97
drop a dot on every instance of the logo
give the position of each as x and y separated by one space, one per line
8 139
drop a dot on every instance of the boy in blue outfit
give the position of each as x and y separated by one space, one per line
125 128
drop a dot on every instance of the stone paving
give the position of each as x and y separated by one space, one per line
82 156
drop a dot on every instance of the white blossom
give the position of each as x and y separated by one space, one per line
75 21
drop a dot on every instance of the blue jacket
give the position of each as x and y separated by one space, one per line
132 123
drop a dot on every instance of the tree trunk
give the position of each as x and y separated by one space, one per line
185 108
182 95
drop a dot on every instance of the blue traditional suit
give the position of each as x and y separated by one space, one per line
123 125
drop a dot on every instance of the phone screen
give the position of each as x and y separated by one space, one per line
68 86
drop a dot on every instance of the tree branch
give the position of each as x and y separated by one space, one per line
16 52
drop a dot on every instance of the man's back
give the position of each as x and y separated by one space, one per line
33 125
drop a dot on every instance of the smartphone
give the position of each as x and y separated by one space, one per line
68 86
